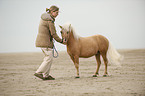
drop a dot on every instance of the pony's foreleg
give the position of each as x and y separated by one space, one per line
75 60
76 63
98 64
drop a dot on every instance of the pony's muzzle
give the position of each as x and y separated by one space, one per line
64 40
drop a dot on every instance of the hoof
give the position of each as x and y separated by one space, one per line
106 75
77 77
94 75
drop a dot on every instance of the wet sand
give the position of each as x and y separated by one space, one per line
17 79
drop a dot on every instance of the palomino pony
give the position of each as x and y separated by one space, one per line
86 47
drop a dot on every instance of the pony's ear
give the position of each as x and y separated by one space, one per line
60 26
70 27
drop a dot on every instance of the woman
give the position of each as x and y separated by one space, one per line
45 40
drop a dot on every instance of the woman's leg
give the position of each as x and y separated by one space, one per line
45 66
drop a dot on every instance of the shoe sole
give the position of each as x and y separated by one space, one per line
39 76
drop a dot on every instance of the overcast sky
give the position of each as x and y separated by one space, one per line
121 21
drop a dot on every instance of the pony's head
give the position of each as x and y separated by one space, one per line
65 32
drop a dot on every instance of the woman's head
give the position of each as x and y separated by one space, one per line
53 10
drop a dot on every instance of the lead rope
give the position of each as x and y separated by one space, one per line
54 50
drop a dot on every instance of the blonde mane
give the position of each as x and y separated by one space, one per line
69 27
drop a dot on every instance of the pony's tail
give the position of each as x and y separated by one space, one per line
113 56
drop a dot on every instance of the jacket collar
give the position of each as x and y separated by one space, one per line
47 17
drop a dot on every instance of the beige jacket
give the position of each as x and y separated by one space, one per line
47 32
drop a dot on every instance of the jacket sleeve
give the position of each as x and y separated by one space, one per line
53 32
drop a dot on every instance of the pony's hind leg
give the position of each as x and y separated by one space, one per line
98 64
106 64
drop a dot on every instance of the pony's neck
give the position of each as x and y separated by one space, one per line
71 39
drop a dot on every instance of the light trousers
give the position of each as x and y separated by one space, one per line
45 66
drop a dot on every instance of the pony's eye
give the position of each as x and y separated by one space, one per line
61 32
67 32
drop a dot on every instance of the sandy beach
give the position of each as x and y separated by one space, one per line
17 79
